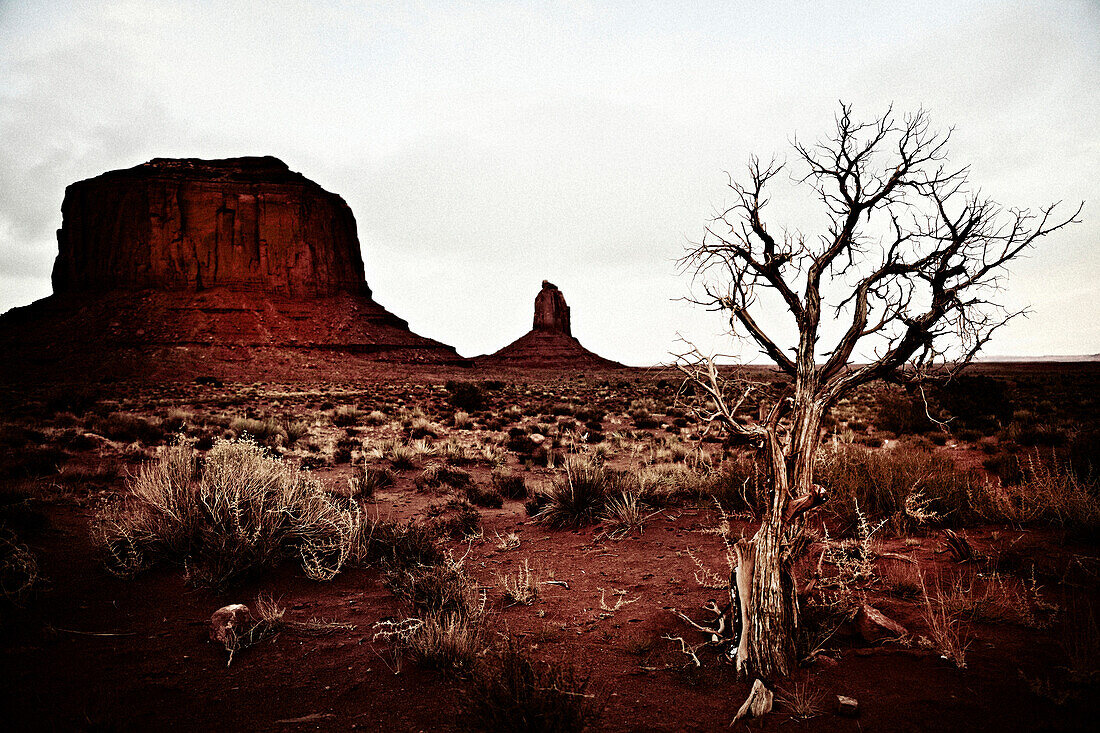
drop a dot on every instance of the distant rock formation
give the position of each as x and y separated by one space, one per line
551 311
237 268
242 223
550 342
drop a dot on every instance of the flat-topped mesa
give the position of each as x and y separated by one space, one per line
239 269
245 223
551 310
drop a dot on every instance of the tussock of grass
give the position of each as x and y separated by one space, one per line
440 474
946 634
242 510
486 496
369 480
267 430
123 426
577 498
445 632
346 416
624 514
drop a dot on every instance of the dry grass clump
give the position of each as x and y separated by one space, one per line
946 633
1050 492
510 484
241 511
267 430
436 475
802 700
402 457
125 427
399 546
369 480
738 485
521 588
445 632
486 496
908 487
577 498
510 692
346 416
997 599
625 513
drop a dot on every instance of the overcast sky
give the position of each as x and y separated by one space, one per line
485 147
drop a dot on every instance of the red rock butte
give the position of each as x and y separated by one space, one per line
550 342
236 268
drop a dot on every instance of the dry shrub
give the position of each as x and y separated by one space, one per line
445 632
905 486
508 483
18 568
510 692
1050 492
242 511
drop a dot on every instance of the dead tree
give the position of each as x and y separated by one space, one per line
907 273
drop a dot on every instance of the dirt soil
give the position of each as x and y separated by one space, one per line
90 651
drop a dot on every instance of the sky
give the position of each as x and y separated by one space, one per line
487 146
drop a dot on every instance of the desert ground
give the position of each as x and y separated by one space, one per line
464 548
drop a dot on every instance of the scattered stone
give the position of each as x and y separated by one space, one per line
875 626
227 620
847 706
758 703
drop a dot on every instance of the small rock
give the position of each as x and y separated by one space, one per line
536 438
847 706
227 619
826 661
875 626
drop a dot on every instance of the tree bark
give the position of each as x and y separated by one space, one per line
772 608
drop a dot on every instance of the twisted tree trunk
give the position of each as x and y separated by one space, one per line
771 608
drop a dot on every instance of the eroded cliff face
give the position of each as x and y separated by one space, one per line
238 223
